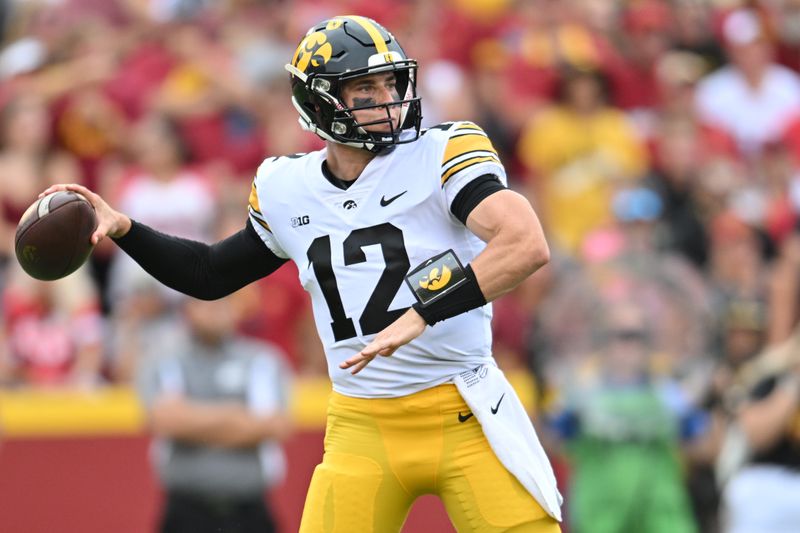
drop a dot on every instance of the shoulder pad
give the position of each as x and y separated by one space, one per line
467 145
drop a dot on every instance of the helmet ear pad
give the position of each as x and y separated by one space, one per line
407 88
305 102
324 95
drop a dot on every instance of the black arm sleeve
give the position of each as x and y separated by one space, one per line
201 270
472 194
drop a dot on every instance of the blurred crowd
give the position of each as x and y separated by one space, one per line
658 140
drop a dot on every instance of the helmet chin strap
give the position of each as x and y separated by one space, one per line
307 125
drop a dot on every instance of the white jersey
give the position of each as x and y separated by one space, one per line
354 247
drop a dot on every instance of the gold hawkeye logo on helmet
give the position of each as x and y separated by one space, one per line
435 281
314 49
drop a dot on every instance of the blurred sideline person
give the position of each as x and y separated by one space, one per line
217 405
764 395
433 414
623 427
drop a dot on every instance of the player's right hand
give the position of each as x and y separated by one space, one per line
402 331
109 222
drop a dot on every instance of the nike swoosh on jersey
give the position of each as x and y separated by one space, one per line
464 418
385 202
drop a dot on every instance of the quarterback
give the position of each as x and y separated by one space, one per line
401 236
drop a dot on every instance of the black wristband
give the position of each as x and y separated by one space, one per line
463 298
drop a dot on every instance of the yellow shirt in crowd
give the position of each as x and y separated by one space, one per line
577 162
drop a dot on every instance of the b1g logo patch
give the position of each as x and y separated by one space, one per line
436 277
300 221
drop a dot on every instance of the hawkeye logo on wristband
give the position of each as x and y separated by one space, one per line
435 281
436 277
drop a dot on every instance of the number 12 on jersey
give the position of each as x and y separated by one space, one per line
376 315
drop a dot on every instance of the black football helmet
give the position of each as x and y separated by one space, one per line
340 49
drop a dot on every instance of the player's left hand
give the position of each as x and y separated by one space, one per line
402 331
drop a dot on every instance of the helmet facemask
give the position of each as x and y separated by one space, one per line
349 129
319 100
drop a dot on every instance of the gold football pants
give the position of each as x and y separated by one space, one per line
381 454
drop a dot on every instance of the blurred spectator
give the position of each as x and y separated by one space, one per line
676 180
742 331
143 322
77 53
784 290
765 400
92 127
162 191
217 404
87 121
54 331
678 74
256 120
623 427
668 287
141 70
720 179
206 97
564 325
629 260
683 147
647 36
625 261
693 32
780 187
786 19
577 152
753 98
28 162
458 27
736 267
541 40
744 328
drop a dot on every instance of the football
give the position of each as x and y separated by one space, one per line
54 235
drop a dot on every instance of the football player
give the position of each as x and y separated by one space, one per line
357 218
